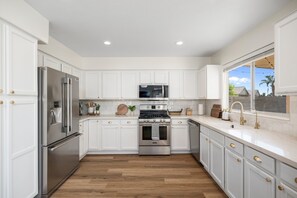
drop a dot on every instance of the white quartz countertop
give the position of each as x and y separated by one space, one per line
107 117
279 146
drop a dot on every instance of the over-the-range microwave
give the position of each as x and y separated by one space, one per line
153 92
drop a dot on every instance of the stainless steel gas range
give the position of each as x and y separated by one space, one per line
154 130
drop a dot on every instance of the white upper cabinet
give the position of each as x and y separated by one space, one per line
146 77
21 63
209 82
49 61
66 68
190 79
130 83
93 85
111 85
285 55
161 77
176 85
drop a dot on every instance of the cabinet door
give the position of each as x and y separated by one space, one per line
67 68
130 83
2 76
86 137
202 83
216 168
129 138
175 84
111 84
285 57
204 151
1 142
21 63
52 62
161 77
233 175
93 84
284 191
180 140
81 146
146 77
94 135
21 142
110 138
190 84
257 183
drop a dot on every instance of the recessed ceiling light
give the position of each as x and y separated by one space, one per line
179 43
107 43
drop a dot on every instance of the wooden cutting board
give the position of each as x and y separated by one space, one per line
216 111
122 109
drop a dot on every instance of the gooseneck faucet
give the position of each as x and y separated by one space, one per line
242 120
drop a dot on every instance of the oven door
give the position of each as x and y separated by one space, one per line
147 133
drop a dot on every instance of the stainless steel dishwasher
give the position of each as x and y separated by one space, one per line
194 128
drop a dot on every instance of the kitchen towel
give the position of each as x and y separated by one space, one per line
200 109
155 132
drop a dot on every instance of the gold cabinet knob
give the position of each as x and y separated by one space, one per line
257 159
12 92
109 122
268 179
238 160
1 102
281 188
232 145
12 102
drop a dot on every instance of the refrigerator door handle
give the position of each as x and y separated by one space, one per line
65 105
70 105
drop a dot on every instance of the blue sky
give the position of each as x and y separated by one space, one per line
241 77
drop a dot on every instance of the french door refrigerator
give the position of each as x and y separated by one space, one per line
58 108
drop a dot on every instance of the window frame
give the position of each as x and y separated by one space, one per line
252 110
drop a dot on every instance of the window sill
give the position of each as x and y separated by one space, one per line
276 116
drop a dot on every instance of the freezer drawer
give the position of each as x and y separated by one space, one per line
59 162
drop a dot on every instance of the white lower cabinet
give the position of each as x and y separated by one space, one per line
180 140
257 183
83 139
204 151
233 174
110 138
284 191
216 168
129 138
94 135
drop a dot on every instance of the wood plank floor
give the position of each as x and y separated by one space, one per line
139 176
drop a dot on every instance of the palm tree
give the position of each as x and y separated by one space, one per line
269 81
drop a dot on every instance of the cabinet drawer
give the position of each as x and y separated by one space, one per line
233 145
260 159
129 122
179 122
204 130
110 122
288 174
219 138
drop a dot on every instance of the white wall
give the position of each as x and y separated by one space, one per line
60 51
122 63
257 38
22 15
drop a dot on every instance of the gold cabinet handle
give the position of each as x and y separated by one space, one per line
232 145
12 102
238 160
268 179
281 188
12 92
257 159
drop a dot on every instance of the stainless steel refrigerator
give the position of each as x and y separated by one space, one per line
58 108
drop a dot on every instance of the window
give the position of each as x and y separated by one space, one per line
253 85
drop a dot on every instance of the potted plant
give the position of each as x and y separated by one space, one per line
132 108
98 109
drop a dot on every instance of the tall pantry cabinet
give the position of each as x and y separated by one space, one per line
18 110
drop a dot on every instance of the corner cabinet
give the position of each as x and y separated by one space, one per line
285 56
18 109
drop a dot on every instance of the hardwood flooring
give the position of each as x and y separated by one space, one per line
139 176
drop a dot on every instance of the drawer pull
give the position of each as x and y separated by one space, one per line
281 188
11 92
268 179
238 160
232 145
257 159
179 122
109 122
12 102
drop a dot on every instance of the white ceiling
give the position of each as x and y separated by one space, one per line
152 27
